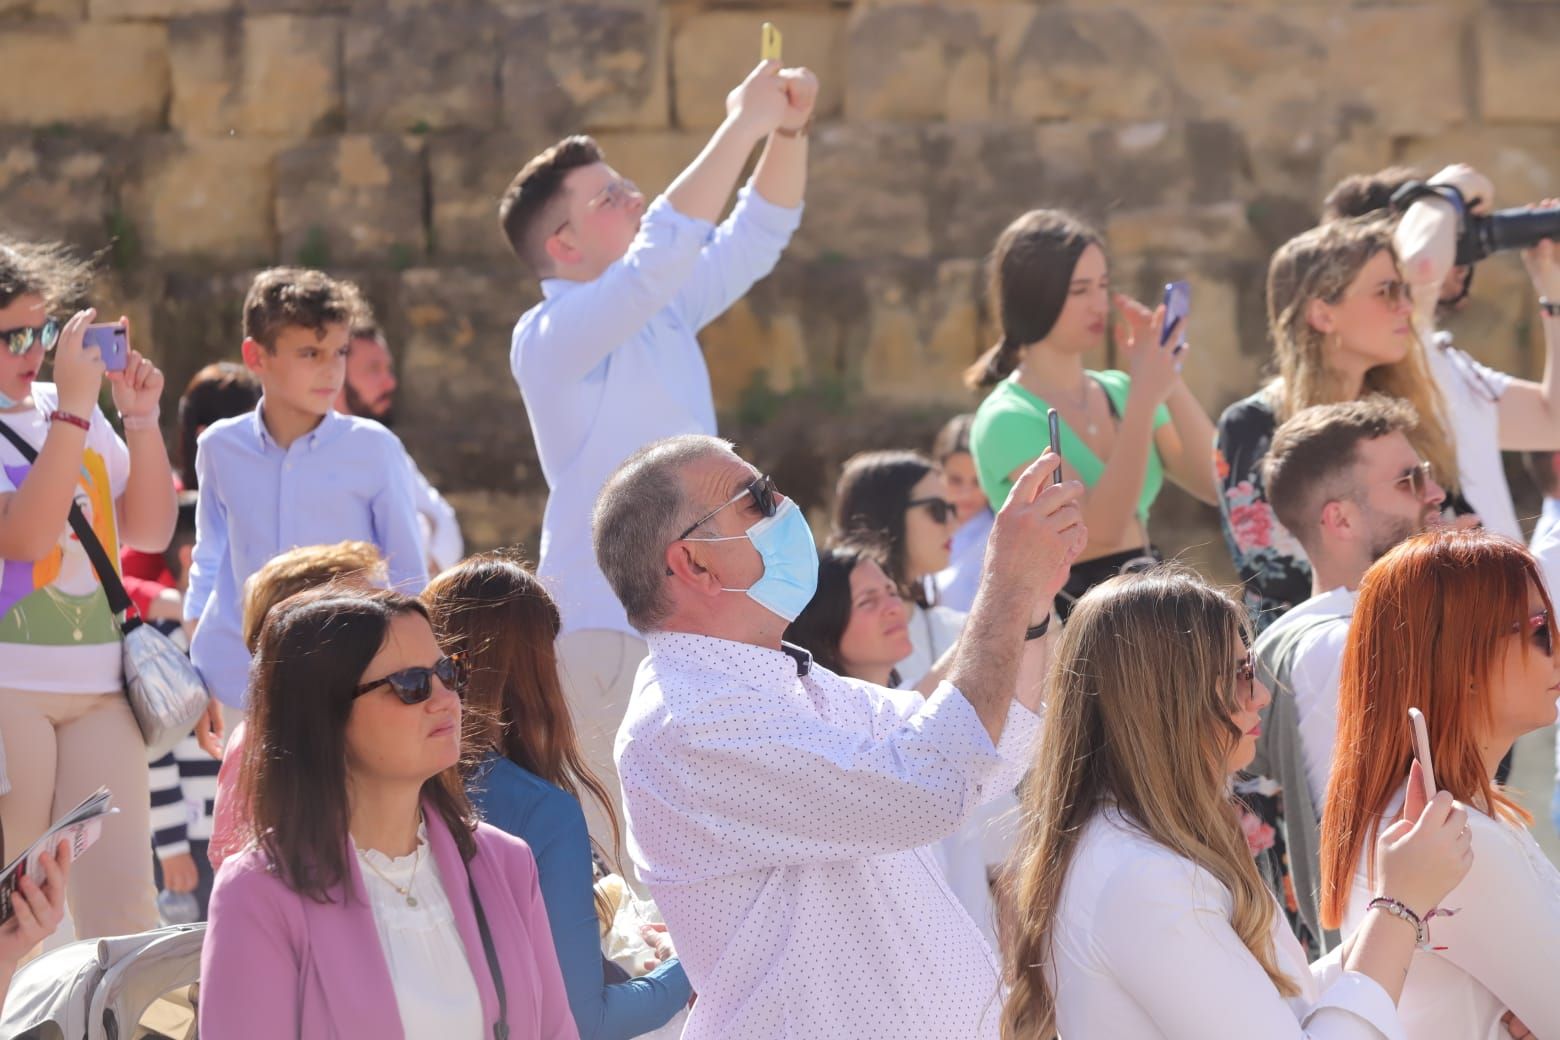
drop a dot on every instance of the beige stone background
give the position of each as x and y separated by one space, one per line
196 140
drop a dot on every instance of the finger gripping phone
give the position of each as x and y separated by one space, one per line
1178 303
1054 422
113 343
1422 750
769 42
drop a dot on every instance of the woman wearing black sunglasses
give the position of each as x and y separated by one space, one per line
1457 624
899 500
371 903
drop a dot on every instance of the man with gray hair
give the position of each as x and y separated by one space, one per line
780 813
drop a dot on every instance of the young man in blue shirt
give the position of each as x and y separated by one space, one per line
609 360
293 472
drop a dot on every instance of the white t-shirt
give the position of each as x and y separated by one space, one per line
57 634
1472 392
1314 676
1545 548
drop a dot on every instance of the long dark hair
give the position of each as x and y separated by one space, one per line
492 610
821 624
218 391
313 652
1027 278
870 500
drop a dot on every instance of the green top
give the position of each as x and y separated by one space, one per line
1011 431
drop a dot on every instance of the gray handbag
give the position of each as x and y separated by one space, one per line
166 693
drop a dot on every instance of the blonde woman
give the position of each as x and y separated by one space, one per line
1140 911
1342 326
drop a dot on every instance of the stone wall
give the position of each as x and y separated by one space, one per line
198 139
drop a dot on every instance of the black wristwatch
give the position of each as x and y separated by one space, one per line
1036 631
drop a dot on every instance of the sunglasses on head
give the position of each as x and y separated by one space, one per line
940 509
20 341
415 685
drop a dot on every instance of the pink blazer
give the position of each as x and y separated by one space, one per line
278 964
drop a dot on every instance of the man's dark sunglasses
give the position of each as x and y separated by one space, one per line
415 685
941 509
762 488
20 341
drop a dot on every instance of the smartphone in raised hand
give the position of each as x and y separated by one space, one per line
113 343
1422 751
1055 423
769 42
1178 304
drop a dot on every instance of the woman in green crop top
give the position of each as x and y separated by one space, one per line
1121 433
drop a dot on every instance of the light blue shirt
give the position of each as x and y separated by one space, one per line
345 479
960 580
608 366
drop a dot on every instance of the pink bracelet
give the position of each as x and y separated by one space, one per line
141 422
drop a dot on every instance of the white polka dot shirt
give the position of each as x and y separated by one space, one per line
781 821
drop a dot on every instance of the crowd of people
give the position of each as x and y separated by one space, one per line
984 765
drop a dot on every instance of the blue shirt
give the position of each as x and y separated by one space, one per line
550 820
344 480
608 366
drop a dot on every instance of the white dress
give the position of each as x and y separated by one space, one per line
1500 951
1144 950
434 988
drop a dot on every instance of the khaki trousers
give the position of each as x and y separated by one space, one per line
597 668
59 748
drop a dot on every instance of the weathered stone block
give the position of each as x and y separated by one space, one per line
155 8
1095 64
651 159
1421 45
917 63
1522 162
354 199
123 85
425 70
584 67
867 193
265 75
714 51
206 197
43 8
1518 76
57 186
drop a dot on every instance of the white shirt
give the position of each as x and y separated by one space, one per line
1314 676
958 582
1472 393
440 525
933 631
1144 949
606 367
1545 548
781 820
434 988
1501 948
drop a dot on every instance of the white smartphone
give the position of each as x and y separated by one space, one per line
1422 750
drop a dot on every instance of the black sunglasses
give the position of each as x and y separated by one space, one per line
762 488
1542 631
1246 670
20 341
939 508
415 685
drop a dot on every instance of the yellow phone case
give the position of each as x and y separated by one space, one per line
769 49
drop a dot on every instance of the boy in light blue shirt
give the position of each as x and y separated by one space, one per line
293 472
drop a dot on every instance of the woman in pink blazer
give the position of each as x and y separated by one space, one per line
370 904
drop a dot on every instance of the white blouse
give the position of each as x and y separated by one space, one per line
1144 949
434 988
1499 952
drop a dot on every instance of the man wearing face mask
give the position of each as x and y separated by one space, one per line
779 813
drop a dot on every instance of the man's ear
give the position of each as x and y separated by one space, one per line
1340 519
254 355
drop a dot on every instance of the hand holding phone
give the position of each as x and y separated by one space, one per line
1178 304
113 343
1054 422
1422 751
769 42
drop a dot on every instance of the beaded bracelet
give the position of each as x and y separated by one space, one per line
1400 910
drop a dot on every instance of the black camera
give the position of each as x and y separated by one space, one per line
1478 236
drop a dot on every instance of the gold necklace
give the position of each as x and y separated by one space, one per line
80 613
406 891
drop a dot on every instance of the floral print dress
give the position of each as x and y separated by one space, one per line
1274 572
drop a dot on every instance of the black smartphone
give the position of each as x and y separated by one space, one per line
1056 441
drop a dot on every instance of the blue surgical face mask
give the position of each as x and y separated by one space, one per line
785 544
6 403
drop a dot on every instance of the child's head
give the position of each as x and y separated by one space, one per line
296 326
296 570
221 390
37 284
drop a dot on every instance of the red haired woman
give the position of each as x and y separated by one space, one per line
1456 623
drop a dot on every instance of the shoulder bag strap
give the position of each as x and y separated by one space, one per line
501 1027
118 599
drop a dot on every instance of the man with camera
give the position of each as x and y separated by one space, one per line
1446 225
